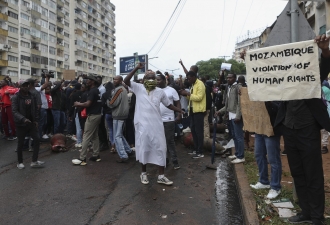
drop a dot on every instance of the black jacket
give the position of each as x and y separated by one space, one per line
19 108
315 105
56 97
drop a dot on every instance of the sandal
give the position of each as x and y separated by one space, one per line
113 150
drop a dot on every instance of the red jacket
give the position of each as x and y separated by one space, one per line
5 98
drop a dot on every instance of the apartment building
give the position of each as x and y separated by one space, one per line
50 35
318 15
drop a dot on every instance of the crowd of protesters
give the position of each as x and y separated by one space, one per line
142 118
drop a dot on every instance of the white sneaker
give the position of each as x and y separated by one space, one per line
273 194
235 161
259 185
78 145
232 157
20 166
164 180
144 179
73 137
45 136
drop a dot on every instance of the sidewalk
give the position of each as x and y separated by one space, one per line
248 201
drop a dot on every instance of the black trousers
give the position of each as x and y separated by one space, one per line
197 131
103 137
169 129
23 131
305 160
129 131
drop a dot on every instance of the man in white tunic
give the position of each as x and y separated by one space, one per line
150 140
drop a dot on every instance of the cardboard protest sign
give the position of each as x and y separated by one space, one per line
284 72
225 66
69 74
255 115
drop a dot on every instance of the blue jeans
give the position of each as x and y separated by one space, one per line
109 120
237 133
268 147
120 141
59 121
78 130
42 121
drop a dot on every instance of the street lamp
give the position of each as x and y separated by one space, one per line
153 58
172 70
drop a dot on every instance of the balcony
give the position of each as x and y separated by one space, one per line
59 70
37 26
60 46
3 62
60 3
35 14
3 17
60 24
60 14
59 35
4 32
35 51
35 65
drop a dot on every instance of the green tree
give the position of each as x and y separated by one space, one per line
211 67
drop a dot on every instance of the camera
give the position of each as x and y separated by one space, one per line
45 73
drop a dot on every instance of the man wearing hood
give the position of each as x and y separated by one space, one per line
26 117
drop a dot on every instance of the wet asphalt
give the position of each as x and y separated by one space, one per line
107 192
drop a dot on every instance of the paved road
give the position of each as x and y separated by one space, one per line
110 193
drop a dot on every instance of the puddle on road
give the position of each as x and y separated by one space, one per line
228 204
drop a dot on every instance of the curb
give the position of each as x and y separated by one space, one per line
246 196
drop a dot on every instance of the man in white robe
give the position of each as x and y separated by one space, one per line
150 143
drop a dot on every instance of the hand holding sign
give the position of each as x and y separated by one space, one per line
323 43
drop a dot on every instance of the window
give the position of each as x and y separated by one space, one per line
43 48
66 34
52 50
25 72
52 15
27 4
44 11
35 59
36 7
25 17
66 23
13 44
66 45
34 32
44 36
12 73
44 1
66 3
66 67
44 60
52 62
25 31
25 44
11 14
52 27
44 23
52 4
66 56
52 38
15 2
25 58
12 58
322 30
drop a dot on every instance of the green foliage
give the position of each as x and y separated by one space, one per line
211 67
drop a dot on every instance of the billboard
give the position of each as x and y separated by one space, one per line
127 64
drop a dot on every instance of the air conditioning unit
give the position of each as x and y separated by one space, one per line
22 61
5 46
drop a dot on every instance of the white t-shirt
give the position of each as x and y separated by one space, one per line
167 114
43 98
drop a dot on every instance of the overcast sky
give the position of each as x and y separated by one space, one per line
205 29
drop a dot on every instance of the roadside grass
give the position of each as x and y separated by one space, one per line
267 215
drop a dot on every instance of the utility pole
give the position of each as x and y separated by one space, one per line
294 21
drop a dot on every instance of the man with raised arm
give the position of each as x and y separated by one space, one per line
150 143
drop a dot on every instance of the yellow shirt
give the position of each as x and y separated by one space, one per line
197 98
